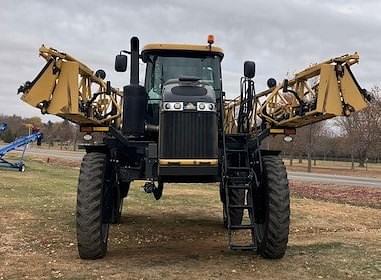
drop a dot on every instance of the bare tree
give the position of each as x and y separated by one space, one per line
362 129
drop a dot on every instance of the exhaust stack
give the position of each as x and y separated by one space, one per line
134 77
134 98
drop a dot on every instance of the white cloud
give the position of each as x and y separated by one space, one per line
281 36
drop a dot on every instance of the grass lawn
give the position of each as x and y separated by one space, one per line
178 237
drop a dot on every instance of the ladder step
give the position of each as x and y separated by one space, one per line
241 206
239 187
250 247
236 150
249 226
236 135
238 168
237 177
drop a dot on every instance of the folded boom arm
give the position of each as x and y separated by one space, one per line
320 92
69 89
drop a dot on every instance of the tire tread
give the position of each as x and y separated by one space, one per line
275 239
89 207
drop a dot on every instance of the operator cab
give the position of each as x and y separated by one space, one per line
168 64
183 83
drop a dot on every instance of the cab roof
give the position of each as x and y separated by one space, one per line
186 48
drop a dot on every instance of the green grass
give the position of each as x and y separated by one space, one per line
40 184
177 237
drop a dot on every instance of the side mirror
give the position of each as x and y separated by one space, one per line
121 63
249 69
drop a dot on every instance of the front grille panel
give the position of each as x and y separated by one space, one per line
188 135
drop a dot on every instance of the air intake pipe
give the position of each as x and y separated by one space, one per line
134 97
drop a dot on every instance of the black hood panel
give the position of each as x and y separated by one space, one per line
189 91
179 91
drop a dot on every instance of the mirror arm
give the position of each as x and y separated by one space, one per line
128 52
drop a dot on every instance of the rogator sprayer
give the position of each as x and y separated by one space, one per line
180 127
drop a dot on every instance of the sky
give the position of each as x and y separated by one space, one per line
282 37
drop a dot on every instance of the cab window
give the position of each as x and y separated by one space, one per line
160 69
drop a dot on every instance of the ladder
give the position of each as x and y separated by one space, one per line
237 178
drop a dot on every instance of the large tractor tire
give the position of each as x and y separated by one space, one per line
92 231
272 209
236 197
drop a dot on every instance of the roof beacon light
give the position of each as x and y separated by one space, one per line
210 39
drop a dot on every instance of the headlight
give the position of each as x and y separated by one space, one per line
87 137
206 107
173 106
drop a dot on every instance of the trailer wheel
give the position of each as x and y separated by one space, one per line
92 231
236 197
272 209
22 167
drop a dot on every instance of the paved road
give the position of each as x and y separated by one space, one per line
69 155
334 179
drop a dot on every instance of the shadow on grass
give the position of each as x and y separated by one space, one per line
165 219
172 238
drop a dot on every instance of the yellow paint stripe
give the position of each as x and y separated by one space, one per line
182 47
212 162
101 128
277 131
94 128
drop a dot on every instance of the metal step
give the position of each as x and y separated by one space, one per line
241 206
236 151
248 226
238 168
238 178
242 135
239 187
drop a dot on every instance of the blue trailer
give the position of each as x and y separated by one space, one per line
20 142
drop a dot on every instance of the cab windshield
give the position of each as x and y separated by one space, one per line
160 69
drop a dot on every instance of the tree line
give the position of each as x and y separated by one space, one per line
55 133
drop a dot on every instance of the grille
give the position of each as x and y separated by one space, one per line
188 135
